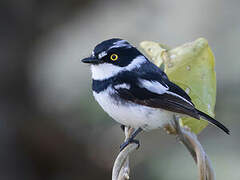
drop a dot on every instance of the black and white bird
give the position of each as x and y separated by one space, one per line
135 92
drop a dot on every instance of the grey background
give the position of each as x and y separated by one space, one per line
50 125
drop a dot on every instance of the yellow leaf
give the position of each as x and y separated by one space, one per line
191 66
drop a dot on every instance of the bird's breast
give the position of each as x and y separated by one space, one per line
131 114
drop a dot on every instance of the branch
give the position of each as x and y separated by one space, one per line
121 169
191 142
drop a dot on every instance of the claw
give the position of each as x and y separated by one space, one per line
129 141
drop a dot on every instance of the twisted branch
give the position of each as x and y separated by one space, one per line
192 144
121 169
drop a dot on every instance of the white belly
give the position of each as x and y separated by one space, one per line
131 114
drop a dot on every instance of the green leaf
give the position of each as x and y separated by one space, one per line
191 66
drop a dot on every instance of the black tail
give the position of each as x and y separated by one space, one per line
213 121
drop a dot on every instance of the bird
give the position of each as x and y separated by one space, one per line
135 92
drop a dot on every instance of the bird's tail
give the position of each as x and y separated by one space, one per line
213 121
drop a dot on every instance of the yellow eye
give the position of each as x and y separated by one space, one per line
114 57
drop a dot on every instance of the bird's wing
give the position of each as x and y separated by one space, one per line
154 91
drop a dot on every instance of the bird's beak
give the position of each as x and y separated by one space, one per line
91 60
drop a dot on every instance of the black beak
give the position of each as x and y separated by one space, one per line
91 60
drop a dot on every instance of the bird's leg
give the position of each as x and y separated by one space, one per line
131 139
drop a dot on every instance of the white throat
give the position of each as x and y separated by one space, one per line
105 70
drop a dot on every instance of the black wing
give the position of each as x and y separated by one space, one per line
152 90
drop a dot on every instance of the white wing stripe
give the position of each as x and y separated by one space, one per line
174 94
124 86
156 87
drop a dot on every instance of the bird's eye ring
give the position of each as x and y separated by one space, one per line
114 57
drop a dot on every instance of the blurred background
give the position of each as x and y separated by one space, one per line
50 126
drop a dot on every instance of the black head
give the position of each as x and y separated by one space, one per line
113 51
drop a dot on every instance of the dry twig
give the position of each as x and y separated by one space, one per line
191 142
121 169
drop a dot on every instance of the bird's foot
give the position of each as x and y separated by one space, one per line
129 141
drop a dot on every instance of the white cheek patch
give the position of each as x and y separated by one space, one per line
123 86
104 71
107 70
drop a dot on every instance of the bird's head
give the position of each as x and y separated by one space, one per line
113 56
